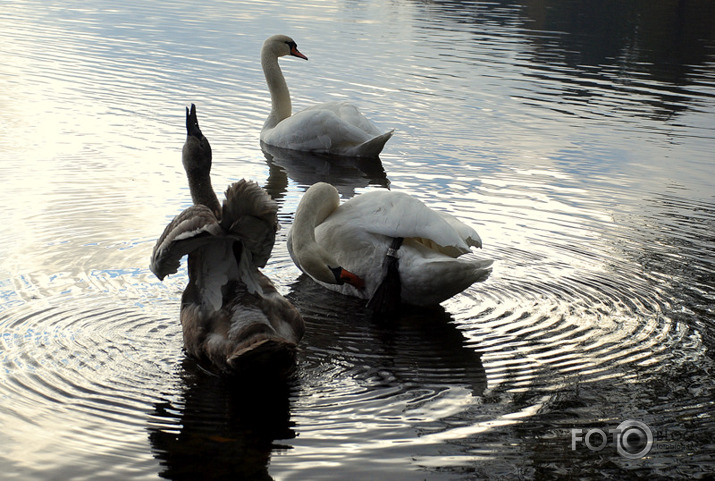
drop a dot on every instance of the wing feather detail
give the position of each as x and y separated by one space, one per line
395 214
250 215
188 231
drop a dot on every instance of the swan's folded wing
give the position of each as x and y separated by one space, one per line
349 114
395 214
189 230
250 215
315 129
464 231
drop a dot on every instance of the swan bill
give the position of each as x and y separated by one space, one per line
295 52
192 123
343 276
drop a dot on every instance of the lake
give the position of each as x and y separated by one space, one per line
577 138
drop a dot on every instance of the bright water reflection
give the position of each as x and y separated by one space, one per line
576 139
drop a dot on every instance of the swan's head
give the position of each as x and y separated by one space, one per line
318 202
196 154
281 45
317 262
322 267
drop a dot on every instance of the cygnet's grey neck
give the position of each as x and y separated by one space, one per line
202 191
280 97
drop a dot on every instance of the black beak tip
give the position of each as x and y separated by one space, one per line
192 122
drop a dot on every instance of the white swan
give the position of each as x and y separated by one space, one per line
333 127
344 247
231 314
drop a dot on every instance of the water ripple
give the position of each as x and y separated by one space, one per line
588 178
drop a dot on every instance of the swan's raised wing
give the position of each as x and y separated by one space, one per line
395 214
188 231
196 232
250 216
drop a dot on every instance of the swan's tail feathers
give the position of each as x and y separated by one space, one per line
250 215
373 147
386 298
482 269
470 270
264 357
191 229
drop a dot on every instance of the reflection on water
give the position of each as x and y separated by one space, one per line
665 42
575 137
624 57
369 390
350 366
418 348
220 429
307 168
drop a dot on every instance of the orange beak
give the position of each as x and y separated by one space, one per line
352 279
294 52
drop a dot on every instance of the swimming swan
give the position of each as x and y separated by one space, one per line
346 247
231 314
333 127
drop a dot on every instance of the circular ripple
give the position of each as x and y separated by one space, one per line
83 376
599 305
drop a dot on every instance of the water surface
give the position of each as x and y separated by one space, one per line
576 137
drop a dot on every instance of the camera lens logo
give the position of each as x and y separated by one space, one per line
633 439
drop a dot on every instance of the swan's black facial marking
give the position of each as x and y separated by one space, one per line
294 50
337 272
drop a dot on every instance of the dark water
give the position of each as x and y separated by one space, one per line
576 137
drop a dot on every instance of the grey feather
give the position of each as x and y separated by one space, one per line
250 215
189 230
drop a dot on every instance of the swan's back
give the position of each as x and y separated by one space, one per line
396 214
333 127
349 114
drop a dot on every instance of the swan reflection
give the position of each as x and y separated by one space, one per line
225 428
305 168
418 347
222 428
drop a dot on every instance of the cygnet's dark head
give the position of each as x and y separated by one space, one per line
196 154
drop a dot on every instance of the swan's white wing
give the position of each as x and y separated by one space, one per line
333 127
314 129
188 231
349 114
464 231
395 214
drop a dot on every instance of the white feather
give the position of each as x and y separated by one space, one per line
333 127
357 234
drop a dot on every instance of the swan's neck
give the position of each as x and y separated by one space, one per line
202 191
280 97
313 209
